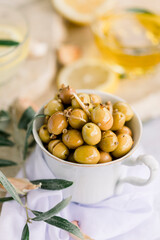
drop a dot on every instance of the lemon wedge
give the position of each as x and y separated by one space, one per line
89 74
81 11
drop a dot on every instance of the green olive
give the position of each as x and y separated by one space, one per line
118 120
109 141
52 107
72 139
52 144
125 109
57 123
124 130
95 99
77 118
66 94
46 119
87 154
60 151
102 117
83 97
44 134
124 146
71 158
70 108
91 133
90 107
105 157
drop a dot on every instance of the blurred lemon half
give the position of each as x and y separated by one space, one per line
89 74
81 11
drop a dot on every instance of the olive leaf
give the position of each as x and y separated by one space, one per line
63 224
6 42
140 10
26 117
25 233
5 199
6 142
53 184
9 188
6 163
28 133
32 143
4 115
4 134
53 211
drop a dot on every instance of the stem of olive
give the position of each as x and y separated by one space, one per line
18 138
59 100
74 117
53 136
26 208
65 130
82 104
109 106
78 118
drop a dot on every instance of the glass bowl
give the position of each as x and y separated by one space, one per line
129 39
13 27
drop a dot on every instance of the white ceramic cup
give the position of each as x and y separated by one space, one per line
96 182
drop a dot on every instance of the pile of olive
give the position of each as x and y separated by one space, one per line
79 128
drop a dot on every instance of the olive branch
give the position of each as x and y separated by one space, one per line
25 124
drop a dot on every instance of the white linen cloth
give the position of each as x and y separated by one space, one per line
129 216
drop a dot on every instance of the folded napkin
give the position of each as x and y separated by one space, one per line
129 216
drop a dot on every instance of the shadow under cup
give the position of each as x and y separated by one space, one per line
92 183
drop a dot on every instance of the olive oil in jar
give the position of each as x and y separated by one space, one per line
129 41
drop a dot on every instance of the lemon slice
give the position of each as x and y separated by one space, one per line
88 74
81 11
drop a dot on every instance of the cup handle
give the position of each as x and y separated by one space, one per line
148 161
